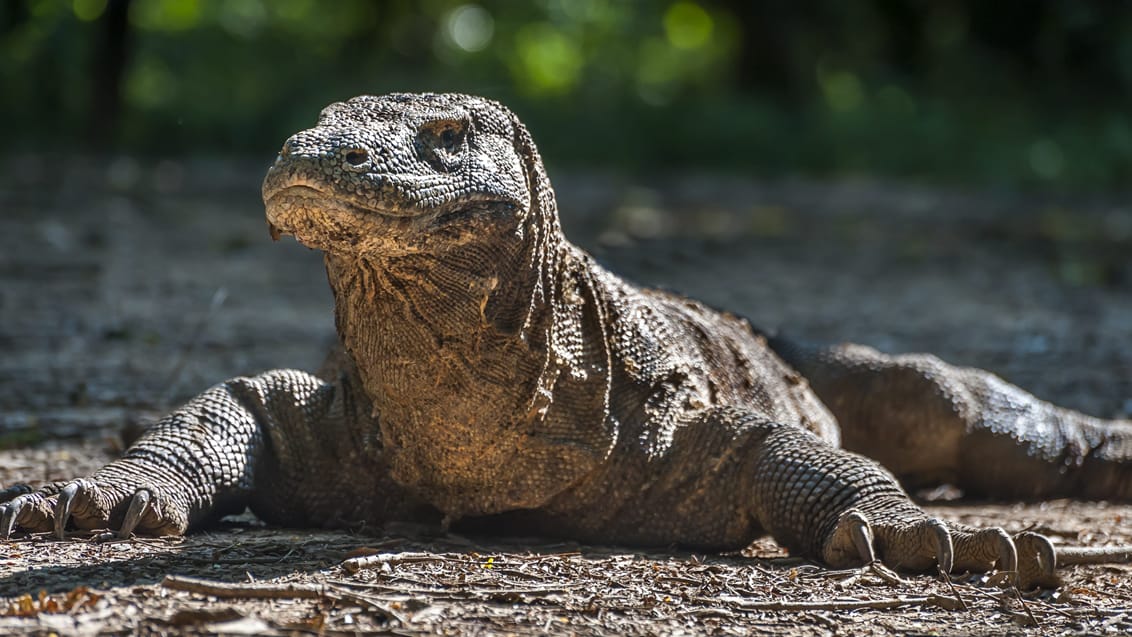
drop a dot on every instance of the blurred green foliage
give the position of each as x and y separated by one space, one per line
1006 92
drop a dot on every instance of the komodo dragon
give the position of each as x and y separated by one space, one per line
491 371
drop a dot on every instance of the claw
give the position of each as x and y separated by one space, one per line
944 549
862 535
138 505
8 518
63 506
986 549
851 542
1007 552
1037 561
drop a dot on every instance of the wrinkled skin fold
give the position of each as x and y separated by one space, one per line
491 373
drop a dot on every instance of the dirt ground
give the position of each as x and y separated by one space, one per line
128 285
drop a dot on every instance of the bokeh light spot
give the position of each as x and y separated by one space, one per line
687 25
470 27
88 10
551 62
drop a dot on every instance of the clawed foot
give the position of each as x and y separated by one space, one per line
1026 559
88 504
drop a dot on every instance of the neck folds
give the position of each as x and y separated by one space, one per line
489 381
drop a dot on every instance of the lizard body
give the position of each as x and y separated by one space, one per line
490 370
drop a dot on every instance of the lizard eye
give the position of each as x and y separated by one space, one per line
448 139
441 142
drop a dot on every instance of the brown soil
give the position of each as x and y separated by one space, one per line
127 287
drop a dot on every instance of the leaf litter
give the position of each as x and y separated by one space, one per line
244 579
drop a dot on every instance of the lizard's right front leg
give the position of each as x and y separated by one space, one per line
199 463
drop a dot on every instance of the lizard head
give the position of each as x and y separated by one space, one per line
407 174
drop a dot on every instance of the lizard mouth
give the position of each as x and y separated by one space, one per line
325 220
293 189
279 200
323 217
313 193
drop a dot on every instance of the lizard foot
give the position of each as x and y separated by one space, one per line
90 503
1027 559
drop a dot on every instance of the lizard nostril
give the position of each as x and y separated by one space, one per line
357 157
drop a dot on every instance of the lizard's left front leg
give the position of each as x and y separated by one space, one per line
846 510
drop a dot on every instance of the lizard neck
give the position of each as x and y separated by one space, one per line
487 394
420 327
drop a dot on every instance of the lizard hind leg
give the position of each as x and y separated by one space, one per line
930 422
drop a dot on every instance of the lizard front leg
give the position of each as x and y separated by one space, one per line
846 510
199 463
728 474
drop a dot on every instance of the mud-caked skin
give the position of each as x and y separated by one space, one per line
491 371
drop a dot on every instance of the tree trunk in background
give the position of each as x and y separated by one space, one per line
766 63
109 65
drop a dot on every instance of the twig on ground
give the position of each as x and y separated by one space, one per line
939 601
355 564
888 575
1050 608
536 591
954 591
1026 607
276 591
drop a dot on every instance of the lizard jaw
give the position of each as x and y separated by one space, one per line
324 222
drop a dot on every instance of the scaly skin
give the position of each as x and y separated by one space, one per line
964 426
492 373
